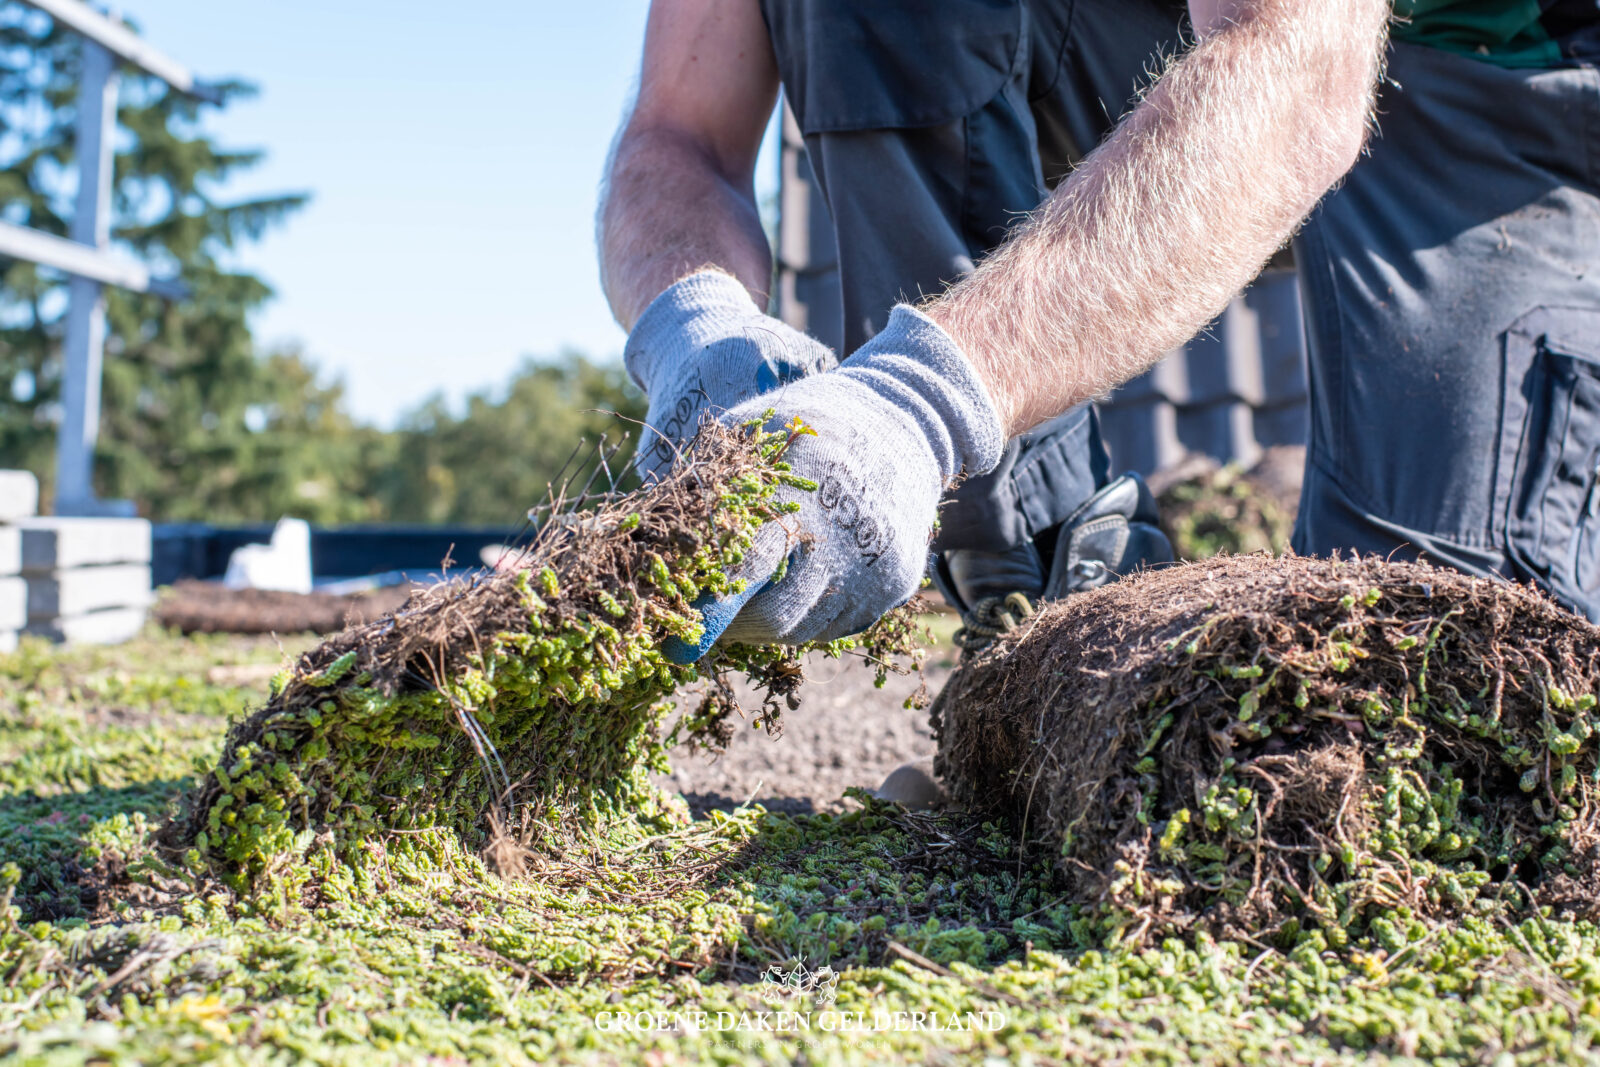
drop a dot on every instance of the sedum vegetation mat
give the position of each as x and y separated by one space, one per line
435 841
515 712
439 962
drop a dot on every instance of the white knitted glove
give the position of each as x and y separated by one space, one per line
895 425
704 344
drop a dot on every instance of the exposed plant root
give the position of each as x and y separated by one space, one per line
1257 744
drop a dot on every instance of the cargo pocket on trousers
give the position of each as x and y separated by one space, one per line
1549 462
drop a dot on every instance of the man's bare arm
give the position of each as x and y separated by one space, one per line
1158 228
680 186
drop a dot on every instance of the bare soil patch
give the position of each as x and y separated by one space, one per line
845 733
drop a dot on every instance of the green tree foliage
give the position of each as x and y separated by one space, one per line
182 379
291 449
496 459
196 423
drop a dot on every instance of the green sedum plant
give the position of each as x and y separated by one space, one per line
514 710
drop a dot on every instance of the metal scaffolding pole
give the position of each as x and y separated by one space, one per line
69 257
86 258
84 344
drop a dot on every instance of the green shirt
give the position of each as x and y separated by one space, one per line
1510 33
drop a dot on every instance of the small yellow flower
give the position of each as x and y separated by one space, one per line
209 1012
796 426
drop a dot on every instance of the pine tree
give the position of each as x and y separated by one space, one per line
195 424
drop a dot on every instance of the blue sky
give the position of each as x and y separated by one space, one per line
453 155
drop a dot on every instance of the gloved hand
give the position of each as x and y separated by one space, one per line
895 425
703 344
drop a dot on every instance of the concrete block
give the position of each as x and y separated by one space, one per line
86 589
58 544
8 641
19 495
13 604
96 628
10 550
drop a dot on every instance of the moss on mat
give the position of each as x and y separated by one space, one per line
440 962
347 909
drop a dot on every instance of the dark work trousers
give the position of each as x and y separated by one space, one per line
1452 294
932 128
1451 282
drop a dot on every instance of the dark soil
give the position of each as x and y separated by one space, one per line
195 607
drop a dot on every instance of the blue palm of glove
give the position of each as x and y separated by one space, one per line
773 372
716 615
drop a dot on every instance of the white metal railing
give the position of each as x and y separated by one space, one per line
70 257
87 258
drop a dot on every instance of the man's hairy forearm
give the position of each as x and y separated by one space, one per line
1148 239
668 212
